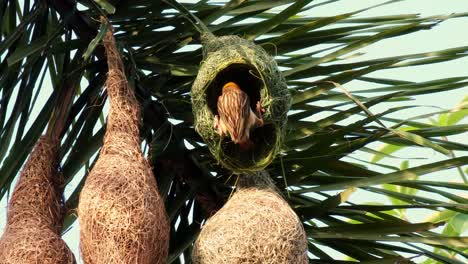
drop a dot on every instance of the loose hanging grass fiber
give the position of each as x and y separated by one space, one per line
121 214
256 225
35 211
233 59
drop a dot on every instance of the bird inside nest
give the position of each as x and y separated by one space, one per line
236 117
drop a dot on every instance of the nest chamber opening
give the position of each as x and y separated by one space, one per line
250 81
233 59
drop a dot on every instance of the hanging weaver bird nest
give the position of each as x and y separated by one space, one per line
122 216
256 225
35 212
233 59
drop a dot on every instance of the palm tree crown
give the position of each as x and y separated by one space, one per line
340 141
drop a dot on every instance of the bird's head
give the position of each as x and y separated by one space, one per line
230 85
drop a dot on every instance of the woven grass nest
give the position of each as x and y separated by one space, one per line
256 225
231 58
121 213
35 212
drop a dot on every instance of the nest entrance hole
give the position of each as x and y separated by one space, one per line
246 76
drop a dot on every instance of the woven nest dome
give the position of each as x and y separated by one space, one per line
233 59
256 225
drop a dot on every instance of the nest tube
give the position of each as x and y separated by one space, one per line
35 211
121 214
256 225
231 58
37 206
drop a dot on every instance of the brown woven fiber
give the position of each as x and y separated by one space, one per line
121 214
255 226
35 212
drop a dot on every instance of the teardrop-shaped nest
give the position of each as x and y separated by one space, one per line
122 215
233 59
35 212
255 226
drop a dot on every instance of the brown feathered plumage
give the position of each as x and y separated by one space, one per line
236 118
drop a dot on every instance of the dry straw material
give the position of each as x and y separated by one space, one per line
35 212
121 214
233 59
256 225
